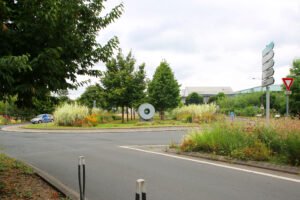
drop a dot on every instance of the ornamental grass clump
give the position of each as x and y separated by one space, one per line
70 115
248 141
196 113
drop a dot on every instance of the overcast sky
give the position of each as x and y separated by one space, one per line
208 42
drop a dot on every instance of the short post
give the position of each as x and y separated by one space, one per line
140 190
81 163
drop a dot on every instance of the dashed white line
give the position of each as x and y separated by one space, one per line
212 163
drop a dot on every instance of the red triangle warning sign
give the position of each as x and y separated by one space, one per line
288 82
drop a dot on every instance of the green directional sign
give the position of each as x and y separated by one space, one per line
268 48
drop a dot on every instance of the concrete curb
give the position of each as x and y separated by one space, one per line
262 165
68 192
110 130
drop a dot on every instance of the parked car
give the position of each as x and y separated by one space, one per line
42 118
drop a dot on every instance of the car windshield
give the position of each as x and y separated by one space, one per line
39 116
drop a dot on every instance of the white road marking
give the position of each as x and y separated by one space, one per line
214 164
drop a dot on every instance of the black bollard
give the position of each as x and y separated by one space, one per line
81 180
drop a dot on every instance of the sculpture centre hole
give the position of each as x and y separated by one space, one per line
147 111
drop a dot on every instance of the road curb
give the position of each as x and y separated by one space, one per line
262 165
68 192
110 130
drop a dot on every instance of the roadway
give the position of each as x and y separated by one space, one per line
112 170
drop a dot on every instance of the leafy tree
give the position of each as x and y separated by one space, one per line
123 86
91 93
45 44
216 98
295 96
62 96
163 90
220 95
194 98
241 104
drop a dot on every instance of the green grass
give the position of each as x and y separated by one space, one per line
115 124
7 163
246 142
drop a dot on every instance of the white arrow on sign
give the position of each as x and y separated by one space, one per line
268 57
268 65
268 73
267 82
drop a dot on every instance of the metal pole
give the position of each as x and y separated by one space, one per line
287 105
268 106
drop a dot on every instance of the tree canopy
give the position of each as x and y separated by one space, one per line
123 85
45 44
295 96
193 98
163 90
91 94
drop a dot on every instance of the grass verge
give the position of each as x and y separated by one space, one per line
116 124
18 181
278 143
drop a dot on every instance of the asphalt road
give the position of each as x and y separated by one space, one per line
112 171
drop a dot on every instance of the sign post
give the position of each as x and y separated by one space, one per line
267 75
288 82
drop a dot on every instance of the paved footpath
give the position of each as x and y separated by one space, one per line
112 170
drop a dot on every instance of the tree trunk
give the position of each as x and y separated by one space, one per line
122 114
131 109
127 113
134 114
162 115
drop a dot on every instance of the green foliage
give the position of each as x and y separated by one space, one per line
249 111
195 113
70 114
249 104
194 98
7 163
292 148
163 90
45 44
247 142
91 93
295 96
218 97
123 86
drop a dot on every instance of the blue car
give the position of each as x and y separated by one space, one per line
43 118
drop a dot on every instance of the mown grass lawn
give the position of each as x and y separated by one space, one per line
117 124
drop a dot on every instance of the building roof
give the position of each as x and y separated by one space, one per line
206 90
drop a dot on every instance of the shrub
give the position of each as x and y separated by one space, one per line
249 111
70 115
293 149
196 113
4 119
91 120
258 151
